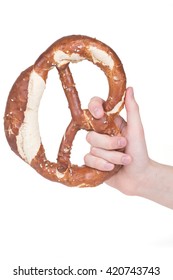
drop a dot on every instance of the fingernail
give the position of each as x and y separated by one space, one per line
125 160
93 150
97 112
108 166
121 142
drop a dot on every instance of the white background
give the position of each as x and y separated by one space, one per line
45 224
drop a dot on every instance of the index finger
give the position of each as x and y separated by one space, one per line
95 107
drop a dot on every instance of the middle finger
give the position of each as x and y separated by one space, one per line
105 141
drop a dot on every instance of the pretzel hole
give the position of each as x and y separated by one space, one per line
54 115
90 81
80 148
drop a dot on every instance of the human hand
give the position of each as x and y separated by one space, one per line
104 152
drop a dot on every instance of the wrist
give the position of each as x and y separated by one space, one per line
148 179
157 185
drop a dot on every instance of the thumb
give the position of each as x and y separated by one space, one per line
133 115
135 132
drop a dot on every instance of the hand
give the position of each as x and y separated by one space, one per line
103 154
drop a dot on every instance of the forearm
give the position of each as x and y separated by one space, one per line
158 184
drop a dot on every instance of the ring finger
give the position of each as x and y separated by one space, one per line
113 157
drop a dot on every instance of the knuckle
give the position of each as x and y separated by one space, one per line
89 137
93 151
86 159
111 142
114 158
135 106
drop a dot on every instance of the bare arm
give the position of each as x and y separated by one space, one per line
139 175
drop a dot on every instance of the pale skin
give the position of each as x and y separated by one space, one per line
139 175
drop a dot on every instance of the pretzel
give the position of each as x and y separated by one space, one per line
21 114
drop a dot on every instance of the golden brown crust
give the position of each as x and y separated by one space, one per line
70 48
15 108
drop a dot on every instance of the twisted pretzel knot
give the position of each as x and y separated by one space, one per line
21 115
